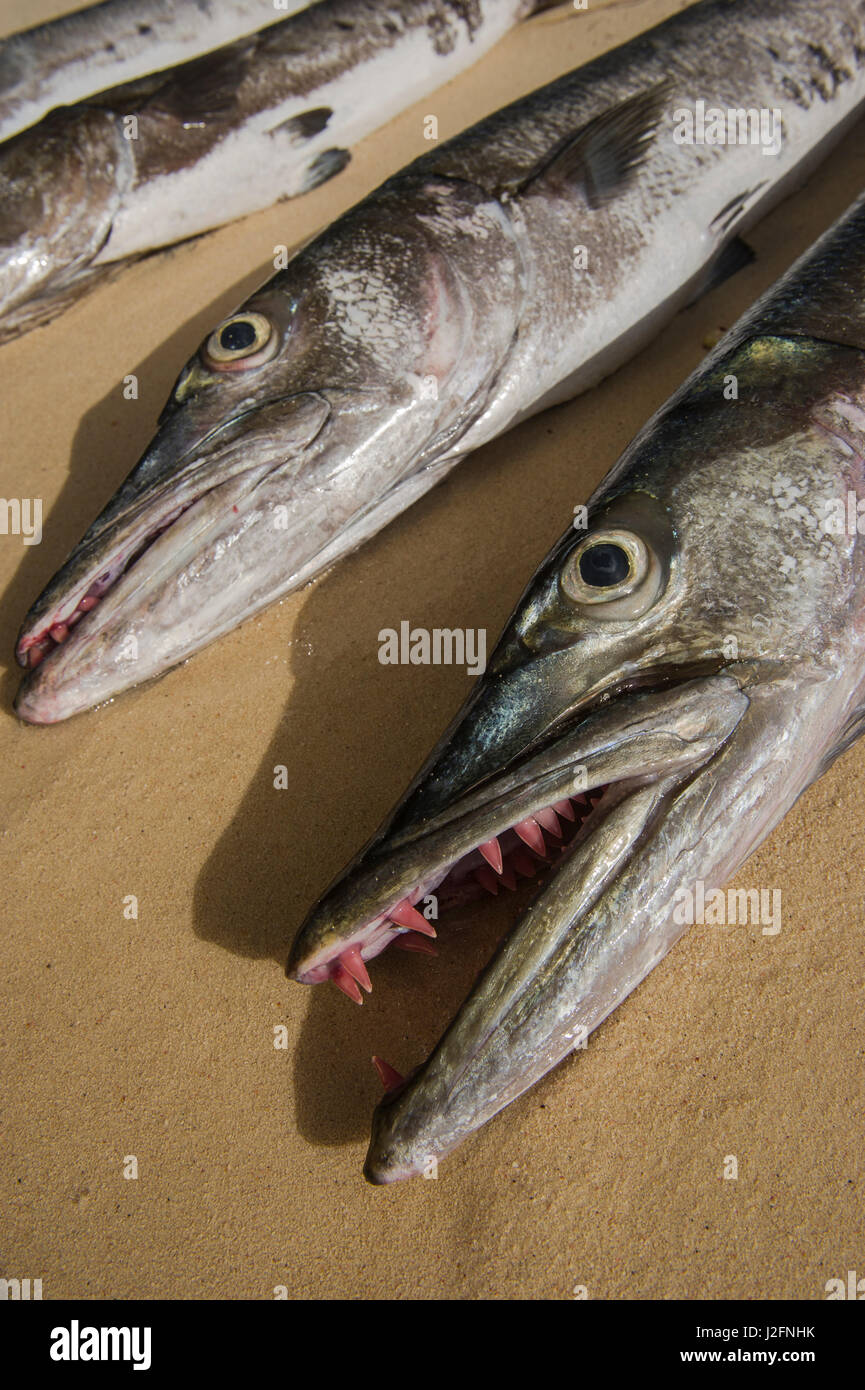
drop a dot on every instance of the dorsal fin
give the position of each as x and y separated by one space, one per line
732 258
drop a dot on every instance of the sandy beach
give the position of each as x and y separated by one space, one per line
157 1036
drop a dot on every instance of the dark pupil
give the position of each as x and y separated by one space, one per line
235 336
603 565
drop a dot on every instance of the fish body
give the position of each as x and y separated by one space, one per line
511 267
266 118
67 59
674 677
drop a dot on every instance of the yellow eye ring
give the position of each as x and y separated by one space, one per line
245 340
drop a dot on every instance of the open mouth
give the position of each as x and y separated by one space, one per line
126 531
532 819
52 631
598 807
529 848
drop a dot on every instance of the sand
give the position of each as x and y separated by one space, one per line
154 1037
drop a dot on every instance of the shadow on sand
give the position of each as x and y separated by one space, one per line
108 443
351 737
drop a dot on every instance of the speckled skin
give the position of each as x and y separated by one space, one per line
69 58
759 595
264 118
458 274
648 250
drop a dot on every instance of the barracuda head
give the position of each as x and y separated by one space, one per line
672 679
305 421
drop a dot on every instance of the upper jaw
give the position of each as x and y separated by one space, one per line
642 736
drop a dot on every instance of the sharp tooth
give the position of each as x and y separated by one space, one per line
508 879
549 821
388 1075
407 916
352 961
346 983
487 879
409 941
492 853
531 834
564 808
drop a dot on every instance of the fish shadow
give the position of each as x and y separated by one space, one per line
354 732
352 735
110 439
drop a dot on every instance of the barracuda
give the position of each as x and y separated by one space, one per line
178 153
439 311
672 680
67 59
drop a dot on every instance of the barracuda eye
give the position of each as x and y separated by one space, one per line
614 572
245 340
604 564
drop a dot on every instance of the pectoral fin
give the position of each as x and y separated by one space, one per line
600 159
729 261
